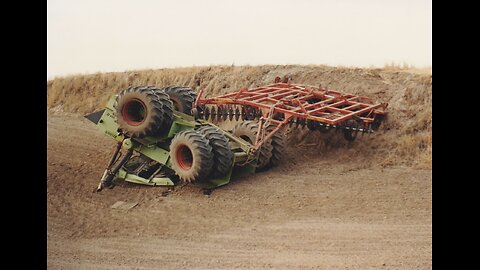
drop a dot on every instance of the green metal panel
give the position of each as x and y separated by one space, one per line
111 102
163 181
152 151
249 168
156 153
179 125
108 124
240 157
156 181
217 182
121 173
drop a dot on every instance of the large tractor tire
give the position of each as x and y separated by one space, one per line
167 109
182 98
247 130
192 156
222 154
140 112
278 146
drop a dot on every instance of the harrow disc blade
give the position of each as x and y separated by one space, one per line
244 113
207 113
224 113
213 113
219 113
230 114
237 113
324 128
311 125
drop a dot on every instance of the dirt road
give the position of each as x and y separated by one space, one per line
310 213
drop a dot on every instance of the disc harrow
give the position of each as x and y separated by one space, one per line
298 106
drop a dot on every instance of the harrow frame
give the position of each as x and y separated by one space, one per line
284 103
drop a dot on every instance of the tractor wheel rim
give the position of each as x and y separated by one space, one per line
184 157
134 112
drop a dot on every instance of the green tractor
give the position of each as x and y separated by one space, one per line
165 144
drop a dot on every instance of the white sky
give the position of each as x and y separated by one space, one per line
86 36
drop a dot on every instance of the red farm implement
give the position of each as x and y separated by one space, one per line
282 103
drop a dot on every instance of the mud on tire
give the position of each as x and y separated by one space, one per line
192 156
222 154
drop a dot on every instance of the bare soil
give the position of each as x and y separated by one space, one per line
316 211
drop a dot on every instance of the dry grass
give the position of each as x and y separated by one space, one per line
404 139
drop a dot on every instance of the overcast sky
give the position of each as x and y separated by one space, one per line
87 36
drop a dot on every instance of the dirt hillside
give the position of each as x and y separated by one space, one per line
330 205
404 139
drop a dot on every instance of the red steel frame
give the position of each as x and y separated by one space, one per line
301 102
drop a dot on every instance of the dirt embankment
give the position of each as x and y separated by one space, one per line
404 139
330 205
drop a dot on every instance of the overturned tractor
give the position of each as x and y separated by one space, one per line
170 134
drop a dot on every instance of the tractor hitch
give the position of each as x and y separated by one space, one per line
109 173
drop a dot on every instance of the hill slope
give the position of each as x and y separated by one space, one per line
330 205
405 138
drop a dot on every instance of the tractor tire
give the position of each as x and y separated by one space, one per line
278 147
247 130
139 111
191 155
167 110
167 106
182 98
222 154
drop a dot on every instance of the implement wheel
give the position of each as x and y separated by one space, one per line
192 156
247 130
278 146
349 134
